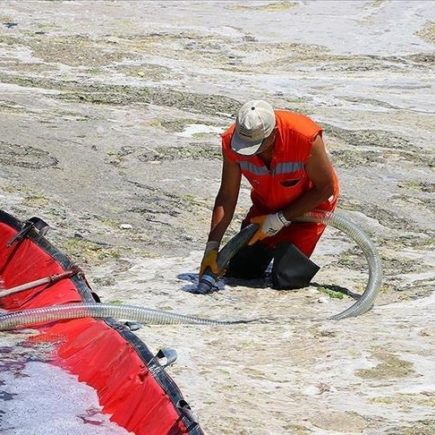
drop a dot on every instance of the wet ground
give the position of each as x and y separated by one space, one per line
110 114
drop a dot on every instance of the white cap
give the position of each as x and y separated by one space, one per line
255 121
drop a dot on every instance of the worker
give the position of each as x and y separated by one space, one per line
283 156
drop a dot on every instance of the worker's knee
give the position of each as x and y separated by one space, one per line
291 269
250 262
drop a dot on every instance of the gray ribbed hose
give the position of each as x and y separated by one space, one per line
340 222
336 220
147 315
130 312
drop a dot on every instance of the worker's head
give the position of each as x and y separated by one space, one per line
255 122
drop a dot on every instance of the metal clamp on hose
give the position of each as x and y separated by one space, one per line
208 279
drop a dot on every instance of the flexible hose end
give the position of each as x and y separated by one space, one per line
206 282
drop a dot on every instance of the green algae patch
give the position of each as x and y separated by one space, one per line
87 251
150 72
191 201
97 93
297 429
25 156
75 51
417 186
390 366
11 107
271 7
36 200
427 33
177 125
407 402
420 427
192 152
338 421
331 293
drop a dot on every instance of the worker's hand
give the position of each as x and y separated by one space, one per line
210 258
269 225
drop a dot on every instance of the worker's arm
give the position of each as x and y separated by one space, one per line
321 173
226 200
223 212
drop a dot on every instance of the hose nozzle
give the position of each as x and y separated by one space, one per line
208 279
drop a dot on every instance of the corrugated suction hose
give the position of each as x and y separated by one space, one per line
339 221
74 311
147 315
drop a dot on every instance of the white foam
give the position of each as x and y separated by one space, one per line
56 402
193 129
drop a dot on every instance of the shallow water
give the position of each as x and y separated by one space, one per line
37 397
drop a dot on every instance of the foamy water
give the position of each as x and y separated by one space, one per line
379 365
38 398
346 63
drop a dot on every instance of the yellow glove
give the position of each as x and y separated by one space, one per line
210 258
269 225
